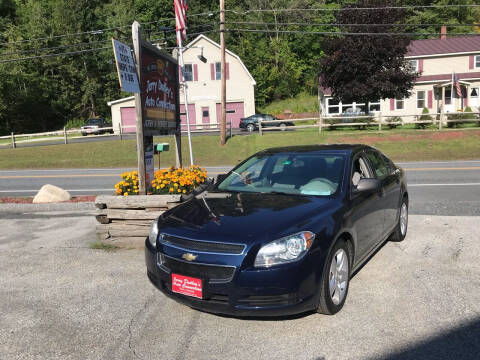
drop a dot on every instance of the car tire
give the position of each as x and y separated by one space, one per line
283 126
335 279
250 128
84 134
402 226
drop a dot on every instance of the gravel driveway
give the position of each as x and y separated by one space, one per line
419 299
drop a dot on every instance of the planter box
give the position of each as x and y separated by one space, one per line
125 221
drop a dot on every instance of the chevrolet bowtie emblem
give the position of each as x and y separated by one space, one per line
189 257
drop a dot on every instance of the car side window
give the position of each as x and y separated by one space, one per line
359 170
379 165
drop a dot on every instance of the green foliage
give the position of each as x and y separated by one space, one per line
392 120
424 117
367 68
49 93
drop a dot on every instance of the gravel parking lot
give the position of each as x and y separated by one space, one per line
59 299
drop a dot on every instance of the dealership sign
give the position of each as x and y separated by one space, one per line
159 91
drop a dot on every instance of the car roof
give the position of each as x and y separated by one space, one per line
324 147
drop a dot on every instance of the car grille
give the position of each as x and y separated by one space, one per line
203 271
207 246
271 300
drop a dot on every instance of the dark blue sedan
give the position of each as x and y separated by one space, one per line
281 233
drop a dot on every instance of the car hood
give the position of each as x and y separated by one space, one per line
243 217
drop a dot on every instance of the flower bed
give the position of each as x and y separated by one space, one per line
166 181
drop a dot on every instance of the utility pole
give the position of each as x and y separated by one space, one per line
136 37
223 125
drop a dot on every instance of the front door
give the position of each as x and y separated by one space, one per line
205 117
367 214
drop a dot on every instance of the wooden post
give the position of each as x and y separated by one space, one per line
65 135
260 127
136 37
230 130
380 121
440 122
13 141
120 131
224 79
320 122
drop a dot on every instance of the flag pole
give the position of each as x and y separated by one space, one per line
184 85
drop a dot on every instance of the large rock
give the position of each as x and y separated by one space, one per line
51 194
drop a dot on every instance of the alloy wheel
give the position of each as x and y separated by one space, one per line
338 276
403 219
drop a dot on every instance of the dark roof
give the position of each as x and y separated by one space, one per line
458 44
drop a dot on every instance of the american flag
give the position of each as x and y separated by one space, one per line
457 85
181 17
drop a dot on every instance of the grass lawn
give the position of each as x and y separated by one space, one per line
298 104
400 145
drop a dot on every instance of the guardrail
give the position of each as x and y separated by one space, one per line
121 132
378 120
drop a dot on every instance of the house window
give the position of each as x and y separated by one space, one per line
399 104
218 71
477 61
420 99
413 65
374 106
333 106
188 74
474 93
448 96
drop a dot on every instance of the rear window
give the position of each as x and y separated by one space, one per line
95 122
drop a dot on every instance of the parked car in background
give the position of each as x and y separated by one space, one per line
281 233
251 123
95 126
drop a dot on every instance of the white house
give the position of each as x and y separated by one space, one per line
436 60
204 90
204 85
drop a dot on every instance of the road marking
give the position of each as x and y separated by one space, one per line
458 184
442 168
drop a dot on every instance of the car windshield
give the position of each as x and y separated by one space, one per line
94 122
311 173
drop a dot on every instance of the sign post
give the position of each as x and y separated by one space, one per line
156 105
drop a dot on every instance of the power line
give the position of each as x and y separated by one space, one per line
74 45
339 24
101 31
87 50
339 33
53 55
355 8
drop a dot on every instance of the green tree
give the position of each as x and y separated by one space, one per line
367 68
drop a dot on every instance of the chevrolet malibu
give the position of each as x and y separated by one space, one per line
282 233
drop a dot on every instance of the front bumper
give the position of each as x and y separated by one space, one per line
284 290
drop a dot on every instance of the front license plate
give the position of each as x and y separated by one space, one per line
187 285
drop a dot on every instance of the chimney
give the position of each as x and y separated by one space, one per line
443 32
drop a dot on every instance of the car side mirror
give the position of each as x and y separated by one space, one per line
220 178
365 185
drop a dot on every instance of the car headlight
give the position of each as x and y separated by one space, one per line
288 249
152 237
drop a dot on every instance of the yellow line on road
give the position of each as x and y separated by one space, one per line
209 173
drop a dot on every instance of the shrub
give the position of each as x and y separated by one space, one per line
424 117
166 181
465 115
391 120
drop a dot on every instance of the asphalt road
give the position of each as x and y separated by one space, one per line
419 299
436 188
